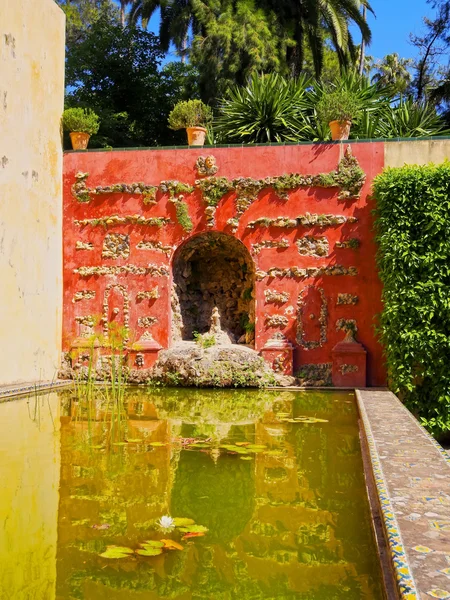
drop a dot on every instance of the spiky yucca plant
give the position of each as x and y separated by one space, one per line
268 109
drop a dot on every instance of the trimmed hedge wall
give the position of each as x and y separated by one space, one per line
413 233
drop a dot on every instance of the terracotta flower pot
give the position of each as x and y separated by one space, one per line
196 136
79 140
340 130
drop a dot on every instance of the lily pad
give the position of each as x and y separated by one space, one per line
194 529
192 534
119 443
275 453
98 447
171 545
148 551
157 444
242 444
199 445
183 522
153 544
134 441
307 420
232 448
246 458
116 552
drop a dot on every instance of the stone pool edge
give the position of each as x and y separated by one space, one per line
405 584
11 391
405 573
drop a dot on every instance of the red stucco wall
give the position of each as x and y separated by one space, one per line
153 166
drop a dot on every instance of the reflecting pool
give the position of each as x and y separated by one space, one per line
263 494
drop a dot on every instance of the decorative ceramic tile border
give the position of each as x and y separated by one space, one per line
28 388
403 574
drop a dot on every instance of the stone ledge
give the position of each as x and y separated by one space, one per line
412 478
22 389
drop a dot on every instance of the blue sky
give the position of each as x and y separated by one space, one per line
394 21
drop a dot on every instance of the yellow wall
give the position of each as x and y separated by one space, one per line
418 152
31 103
29 447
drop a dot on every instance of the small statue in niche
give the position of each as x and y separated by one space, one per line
215 321
206 166
222 338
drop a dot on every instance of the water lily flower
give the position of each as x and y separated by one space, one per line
166 522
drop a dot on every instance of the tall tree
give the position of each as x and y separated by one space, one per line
432 45
116 72
313 22
394 71
235 40
177 20
290 25
81 14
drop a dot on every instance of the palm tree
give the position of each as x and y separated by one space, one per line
177 18
393 71
311 22
301 23
123 5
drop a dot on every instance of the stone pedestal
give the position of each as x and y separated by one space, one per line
349 364
278 352
144 353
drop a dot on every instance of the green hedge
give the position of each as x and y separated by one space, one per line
413 233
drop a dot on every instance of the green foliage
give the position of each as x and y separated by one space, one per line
183 217
411 119
82 14
205 340
190 113
393 71
234 39
268 109
214 189
338 105
413 232
231 39
80 119
116 71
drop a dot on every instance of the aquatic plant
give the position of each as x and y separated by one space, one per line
166 523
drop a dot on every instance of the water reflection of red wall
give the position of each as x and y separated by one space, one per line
154 166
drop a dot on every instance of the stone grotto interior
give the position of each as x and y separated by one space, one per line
213 270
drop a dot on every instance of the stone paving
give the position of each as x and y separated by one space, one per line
412 476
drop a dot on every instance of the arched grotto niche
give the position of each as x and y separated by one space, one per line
213 270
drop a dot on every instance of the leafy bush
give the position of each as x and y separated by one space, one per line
81 119
413 232
191 113
338 105
205 340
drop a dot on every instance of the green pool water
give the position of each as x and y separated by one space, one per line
273 480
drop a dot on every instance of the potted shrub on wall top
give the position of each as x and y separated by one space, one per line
194 116
81 123
338 108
